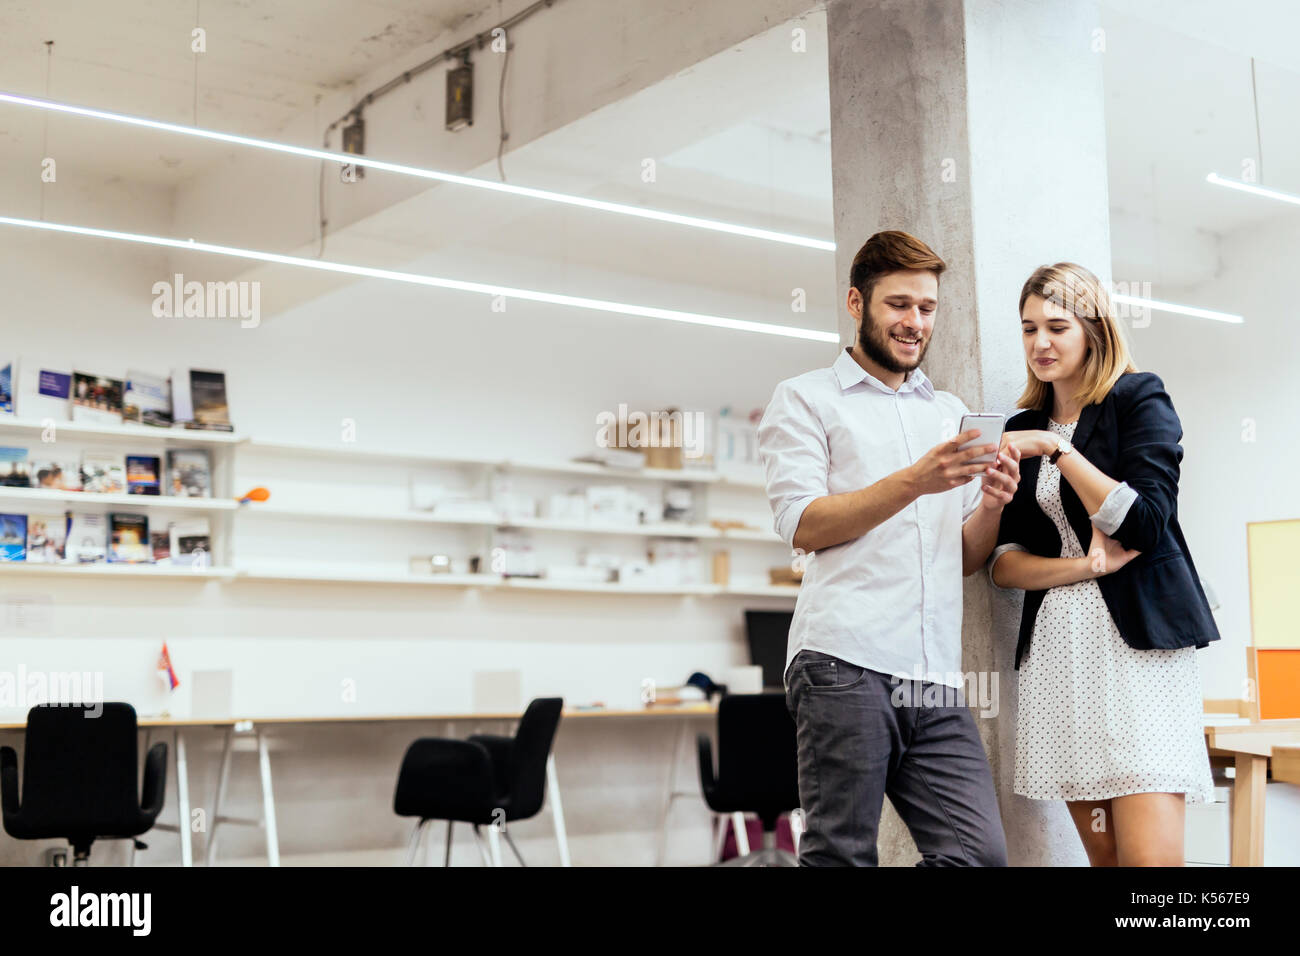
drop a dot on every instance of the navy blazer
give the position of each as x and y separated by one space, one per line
1132 435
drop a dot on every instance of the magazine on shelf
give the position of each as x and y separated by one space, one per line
47 537
96 399
191 542
160 543
13 467
8 386
129 539
142 475
208 394
189 473
13 537
102 473
56 475
87 538
43 393
147 400
182 402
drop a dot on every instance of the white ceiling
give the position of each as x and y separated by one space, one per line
265 63
751 141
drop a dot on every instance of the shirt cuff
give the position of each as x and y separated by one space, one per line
1113 510
997 553
788 523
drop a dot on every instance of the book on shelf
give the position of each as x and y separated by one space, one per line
191 542
189 473
8 386
56 475
87 538
129 539
208 395
96 399
13 467
43 393
160 543
142 475
13 538
47 537
102 472
147 400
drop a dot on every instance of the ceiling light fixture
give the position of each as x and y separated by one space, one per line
346 158
1253 189
1179 309
552 298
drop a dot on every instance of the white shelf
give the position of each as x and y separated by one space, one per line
494 582
344 576
663 529
173 572
346 450
126 432
578 587
764 590
80 499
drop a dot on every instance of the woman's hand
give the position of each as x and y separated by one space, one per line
1106 555
1030 443
1000 482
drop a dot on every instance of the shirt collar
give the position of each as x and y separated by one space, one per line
850 373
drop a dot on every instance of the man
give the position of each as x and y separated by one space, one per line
893 521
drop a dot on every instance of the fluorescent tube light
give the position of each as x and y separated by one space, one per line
553 298
1179 309
1253 189
347 158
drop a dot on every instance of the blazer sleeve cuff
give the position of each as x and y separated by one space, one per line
997 553
1114 509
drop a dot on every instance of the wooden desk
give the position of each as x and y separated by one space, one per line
254 725
1251 746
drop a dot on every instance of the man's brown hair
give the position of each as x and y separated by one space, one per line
891 251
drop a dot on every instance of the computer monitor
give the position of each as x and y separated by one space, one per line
767 633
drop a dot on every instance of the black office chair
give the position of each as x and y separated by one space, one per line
485 779
757 768
79 778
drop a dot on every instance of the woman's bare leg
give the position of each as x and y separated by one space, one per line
1095 822
1149 828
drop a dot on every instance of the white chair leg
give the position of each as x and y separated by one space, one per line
742 833
413 844
719 836
557 810
482 850
494 843
796 829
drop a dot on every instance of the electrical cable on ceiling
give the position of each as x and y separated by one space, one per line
501 109
196 63
45 129
1259 143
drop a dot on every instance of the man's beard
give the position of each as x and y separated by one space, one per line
875 344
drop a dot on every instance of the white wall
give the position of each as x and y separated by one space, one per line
412 367
1223 378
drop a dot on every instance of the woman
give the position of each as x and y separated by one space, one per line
1110 694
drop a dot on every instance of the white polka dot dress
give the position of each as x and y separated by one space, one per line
1099 719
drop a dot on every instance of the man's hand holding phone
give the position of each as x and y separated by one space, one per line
947 465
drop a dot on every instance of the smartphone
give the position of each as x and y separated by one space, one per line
990 426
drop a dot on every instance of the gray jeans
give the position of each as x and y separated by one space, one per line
856 747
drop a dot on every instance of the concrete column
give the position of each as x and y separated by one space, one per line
976 125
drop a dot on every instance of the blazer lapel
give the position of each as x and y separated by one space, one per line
1083 431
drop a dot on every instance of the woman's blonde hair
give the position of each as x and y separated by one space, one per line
1073 289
